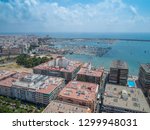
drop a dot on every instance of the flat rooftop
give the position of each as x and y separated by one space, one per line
7 82
65 65
119 64
71 67
20 75
94 73
81 91
4 74
39 83
125 97
146 67
57 106
50 84
45 66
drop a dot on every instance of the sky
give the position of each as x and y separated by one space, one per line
74 16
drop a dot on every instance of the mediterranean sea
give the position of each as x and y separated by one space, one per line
134 52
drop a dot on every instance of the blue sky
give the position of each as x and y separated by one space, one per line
74 16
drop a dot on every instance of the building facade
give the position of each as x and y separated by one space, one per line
89 75
59 67
38 89
144 77
118 72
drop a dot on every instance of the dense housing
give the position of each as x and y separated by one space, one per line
37 88
59 67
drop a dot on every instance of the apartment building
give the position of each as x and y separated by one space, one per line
36 88
89 75
119 72
56 106
7 79
59 67
120 99
80 93
144 77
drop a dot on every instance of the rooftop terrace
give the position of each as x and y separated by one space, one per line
126 98
82 91
119 64
39 83
64 107
86 71
4 74
7 82
19 75
59 64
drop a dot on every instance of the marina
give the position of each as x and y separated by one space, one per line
133 52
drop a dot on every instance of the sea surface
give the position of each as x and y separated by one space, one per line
133 52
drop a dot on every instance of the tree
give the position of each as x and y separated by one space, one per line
29 62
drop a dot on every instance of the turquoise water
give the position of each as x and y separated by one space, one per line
133 52
131 83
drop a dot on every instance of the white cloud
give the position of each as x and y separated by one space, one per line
106 16
133 10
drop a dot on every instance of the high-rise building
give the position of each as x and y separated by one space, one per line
149 96
144 77
89 75
118 72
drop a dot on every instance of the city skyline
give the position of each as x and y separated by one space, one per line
74 16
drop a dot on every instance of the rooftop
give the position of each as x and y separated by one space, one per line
7 82
86 71
4 74
56 106
50 84
20 75
146 67
39 83
125 97
119 64
78 90
59 64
